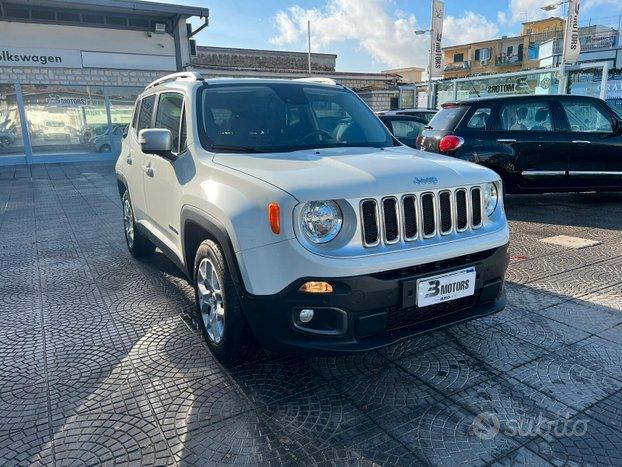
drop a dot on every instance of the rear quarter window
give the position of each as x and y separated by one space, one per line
447 118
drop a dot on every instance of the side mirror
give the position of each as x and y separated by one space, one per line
158 141
617 127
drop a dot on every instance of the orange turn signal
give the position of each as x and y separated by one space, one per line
274 216
316 287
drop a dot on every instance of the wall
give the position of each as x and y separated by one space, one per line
85 76
379 100
97 47
261 59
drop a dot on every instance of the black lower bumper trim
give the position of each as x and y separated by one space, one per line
377 307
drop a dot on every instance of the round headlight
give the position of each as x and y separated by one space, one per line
321 221
491 198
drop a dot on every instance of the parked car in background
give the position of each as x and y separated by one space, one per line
302 224
424 114
103 142
535 143
404 127
7 137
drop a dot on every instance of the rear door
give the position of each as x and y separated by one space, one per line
527 134
596 153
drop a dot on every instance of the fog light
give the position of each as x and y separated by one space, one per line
306 315
316 287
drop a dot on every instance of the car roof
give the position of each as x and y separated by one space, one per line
398 111
403 117
184 85
514 97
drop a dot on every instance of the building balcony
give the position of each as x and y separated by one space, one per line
509 60
458 66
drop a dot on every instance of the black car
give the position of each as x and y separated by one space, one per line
535 143
424 114
404 127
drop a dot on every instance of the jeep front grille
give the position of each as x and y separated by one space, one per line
420 216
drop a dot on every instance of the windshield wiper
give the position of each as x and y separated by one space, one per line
242 149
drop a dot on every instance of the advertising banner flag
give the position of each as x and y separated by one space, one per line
436 62
572 45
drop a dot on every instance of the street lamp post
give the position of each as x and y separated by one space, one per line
421 32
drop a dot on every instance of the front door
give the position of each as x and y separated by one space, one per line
135 159
162 176
596 154
529 131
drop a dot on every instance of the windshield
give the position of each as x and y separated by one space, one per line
616 110
262 117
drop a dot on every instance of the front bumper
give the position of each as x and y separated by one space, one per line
367 312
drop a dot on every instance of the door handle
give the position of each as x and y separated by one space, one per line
581 141
506 140
148 170
128 159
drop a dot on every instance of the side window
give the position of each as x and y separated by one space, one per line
586 117
146 112
168 115
136 112
480 118
183 133
526 116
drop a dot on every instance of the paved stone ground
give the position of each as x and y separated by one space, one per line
100 363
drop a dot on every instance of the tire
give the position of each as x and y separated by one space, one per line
105 148
137 244
226 332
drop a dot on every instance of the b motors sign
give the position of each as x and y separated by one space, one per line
46 58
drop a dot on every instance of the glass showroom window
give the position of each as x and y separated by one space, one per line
121 109
66 119
11 142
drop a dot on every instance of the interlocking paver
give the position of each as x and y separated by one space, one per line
102 361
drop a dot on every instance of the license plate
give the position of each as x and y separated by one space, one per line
446 287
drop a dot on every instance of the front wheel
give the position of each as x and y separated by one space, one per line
219 312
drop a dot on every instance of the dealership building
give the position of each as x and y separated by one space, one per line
70 71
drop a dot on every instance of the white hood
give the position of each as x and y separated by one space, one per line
338 173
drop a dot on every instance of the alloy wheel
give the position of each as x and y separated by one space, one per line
128 221
211 304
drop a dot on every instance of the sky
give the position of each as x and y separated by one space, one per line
373 35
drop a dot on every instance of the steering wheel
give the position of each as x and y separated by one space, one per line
316 132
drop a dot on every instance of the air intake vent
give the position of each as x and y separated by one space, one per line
476 201
461 210
410 217
427 211
445 206
370 222
391 226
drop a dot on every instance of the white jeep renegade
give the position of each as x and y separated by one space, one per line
301 221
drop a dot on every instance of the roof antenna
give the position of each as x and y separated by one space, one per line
474 89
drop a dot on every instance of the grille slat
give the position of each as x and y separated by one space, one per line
391 225
462 214
476 206
445 207
410 217
427 211
420 217
370 222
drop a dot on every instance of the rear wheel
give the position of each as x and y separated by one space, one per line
138 245
219 312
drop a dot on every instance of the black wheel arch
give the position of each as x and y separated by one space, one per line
198 226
